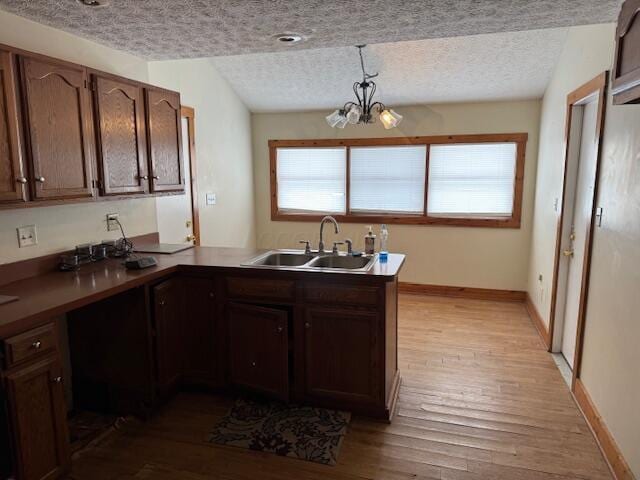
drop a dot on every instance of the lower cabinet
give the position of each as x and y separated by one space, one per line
200 332
169 316
37 410
341 355
259 349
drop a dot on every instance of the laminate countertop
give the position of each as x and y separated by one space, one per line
45 296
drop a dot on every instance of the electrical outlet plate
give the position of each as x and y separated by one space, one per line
211 199
27 236
112 224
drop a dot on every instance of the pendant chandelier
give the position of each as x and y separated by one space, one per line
365 110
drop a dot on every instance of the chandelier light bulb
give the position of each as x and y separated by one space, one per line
353 116
390 119
334 118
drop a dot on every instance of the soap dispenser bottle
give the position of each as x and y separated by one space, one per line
370 242
384 239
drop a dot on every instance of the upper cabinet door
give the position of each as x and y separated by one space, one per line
58 128
12 177
119 120
165 140
626 71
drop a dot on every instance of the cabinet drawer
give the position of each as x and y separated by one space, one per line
260 288
30 345
344 294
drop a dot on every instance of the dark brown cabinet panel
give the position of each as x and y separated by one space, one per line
120 134
200 331
12 176
164 134
58 128
111 354
259 349
37 410
169 317
342 355
626 72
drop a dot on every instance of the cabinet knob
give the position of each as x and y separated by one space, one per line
21 180
307 325
37 344
155 177
211 295
57 380
144 177
161 303
253 364
40 179
279 329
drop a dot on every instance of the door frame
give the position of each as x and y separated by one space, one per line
597 85
190 114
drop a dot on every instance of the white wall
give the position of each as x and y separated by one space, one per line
223 149
455 256
612 328
62 227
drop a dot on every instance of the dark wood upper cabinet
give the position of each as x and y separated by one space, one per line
626 71
169 317
259 349
120 135
342 355
164 135
37 408
58 128
12 176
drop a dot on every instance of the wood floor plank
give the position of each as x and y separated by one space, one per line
480 399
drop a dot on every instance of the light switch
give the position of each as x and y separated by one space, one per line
211 199
27 236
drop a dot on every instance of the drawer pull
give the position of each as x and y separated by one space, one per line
57 380
307 325
21 180
279 329
161 303
253 364
37 345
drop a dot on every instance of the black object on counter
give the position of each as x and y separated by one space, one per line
140 263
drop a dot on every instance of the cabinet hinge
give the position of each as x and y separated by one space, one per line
95 183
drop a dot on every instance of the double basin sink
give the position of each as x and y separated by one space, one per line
295 259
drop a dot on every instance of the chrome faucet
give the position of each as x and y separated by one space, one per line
322 222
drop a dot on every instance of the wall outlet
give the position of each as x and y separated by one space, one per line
211 199
27 236
112 222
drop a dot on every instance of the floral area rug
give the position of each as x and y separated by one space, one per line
307 433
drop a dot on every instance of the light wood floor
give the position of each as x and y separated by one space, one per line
480 399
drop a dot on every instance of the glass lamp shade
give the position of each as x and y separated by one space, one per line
390 119
335 119
354 114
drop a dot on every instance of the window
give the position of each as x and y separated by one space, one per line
472 179
466 180
388 179
312 180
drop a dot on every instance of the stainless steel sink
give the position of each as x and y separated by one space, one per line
314 261
282 259
342 262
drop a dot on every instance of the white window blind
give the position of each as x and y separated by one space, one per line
471 179
388 179
312 179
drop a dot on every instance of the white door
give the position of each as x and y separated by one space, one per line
175 218
578 217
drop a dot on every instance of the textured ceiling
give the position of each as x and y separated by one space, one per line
498 66
163 29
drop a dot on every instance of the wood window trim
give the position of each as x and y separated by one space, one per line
514 221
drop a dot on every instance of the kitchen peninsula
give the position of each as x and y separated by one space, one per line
217 318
